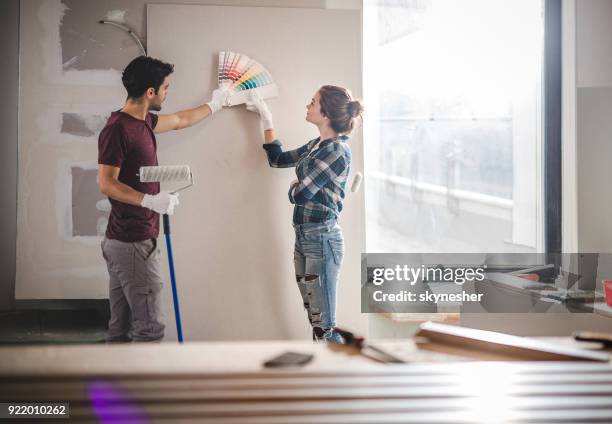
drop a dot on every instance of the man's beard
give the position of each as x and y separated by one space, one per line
155 106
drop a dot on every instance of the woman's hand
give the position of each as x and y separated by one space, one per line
257 104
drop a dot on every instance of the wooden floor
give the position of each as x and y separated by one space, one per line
225 383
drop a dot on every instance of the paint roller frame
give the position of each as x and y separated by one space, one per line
167 174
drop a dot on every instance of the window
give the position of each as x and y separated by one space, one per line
454 125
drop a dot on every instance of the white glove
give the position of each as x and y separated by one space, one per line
219 99
257 104
162 203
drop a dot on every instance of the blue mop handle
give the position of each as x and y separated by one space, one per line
177 311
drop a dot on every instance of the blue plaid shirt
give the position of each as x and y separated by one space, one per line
321 172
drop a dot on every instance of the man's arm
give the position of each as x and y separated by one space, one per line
111 186
182 119
189 117
162 203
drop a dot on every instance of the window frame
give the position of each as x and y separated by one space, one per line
552 127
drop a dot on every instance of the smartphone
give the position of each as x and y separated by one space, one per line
289 359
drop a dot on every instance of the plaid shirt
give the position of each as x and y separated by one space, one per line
322 173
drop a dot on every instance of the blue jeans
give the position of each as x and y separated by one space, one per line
319 249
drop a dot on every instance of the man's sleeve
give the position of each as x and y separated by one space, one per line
111 146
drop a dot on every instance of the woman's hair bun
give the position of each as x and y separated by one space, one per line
338 105
355 108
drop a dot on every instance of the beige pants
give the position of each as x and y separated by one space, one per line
134 290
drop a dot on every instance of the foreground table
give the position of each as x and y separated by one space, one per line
226 383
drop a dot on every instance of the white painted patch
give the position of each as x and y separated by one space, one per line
79 271
115 16
101 226
63 199
103 205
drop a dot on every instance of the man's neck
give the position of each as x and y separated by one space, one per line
136 109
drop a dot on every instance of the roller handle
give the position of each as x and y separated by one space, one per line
166 224
175 299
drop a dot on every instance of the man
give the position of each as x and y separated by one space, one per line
126 143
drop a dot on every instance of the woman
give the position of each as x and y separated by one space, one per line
322 168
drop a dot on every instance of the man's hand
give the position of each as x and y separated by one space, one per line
162 203
257 104
219 99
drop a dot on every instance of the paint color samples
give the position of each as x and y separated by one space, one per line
239 73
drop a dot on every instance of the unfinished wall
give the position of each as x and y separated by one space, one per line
61 110
70 81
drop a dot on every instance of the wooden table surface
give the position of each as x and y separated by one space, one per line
224 382
192 357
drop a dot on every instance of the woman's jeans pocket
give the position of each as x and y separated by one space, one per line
337 250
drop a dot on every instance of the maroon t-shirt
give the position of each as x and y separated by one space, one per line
129 143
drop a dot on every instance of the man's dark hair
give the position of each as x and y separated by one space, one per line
144 72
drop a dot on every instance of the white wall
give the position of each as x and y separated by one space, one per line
594 128
233 233
594 135
593 43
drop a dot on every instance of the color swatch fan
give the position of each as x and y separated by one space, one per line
240 74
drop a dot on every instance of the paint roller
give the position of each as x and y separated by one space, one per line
169 174
356 182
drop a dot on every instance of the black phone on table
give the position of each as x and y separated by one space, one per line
289 359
